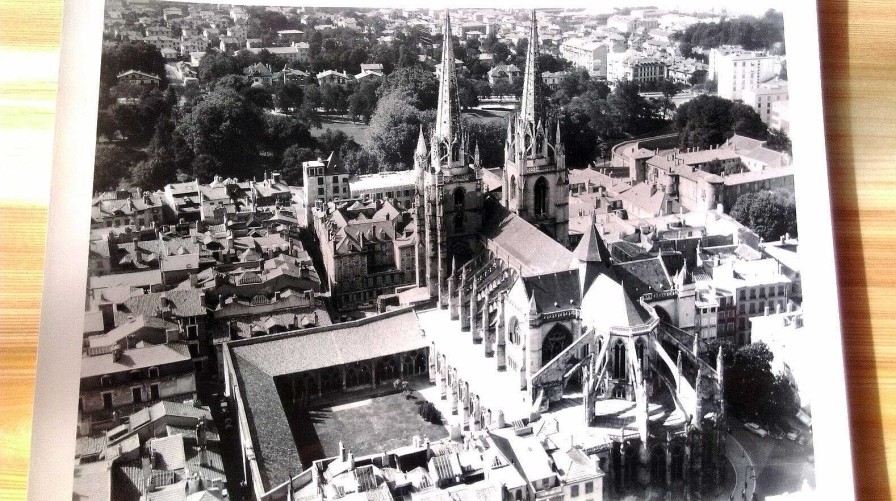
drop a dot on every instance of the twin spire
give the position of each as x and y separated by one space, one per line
447 127
532 104
448 138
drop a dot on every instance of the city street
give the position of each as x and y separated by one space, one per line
779 466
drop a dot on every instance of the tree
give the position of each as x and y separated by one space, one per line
362 161
394 128
750 32
226 127
362 102
291 165
631 113
779 141
333 98
578 132
335 141
135 55
751 388
490 135
258 96
283 131
697 77
290 96
231 81
746 122
419 87
770 214
105 125
111 165
467 93
706 121
719 168
215 65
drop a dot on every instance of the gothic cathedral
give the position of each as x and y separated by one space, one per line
449 204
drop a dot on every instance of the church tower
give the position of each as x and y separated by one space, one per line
452 196
536 181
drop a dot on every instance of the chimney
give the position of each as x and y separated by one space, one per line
777 307
765 311
116 354
194 281
351 461
342 456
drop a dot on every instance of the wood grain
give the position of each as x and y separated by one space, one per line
858 54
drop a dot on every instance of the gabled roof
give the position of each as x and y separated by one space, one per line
138 358
554 291
131 327
140 73
535 252
385 334
183 303
643 276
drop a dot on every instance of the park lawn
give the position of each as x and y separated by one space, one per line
358 130
371 426
354 130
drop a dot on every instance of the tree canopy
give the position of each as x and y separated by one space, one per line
418 86
225 126
706 121
770 214
752 389
752 33
126 56
394 128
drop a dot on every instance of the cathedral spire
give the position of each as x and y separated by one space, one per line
447 128
531 107
421 151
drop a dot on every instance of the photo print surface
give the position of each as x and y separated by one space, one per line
416 253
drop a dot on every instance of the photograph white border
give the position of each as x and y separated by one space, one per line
59 347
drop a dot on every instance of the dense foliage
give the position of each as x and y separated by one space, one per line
126 56
770 214
752 33
708 121
752 390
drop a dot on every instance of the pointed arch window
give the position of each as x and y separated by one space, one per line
619 360
512 193
460 196
541 196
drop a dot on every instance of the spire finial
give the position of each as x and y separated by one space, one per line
531 105
448 113
421 151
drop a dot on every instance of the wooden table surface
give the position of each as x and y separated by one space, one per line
858 57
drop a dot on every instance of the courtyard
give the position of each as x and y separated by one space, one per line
369 424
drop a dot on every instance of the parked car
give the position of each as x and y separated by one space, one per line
776 432
755 429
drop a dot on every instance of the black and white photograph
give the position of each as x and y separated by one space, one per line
427 253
